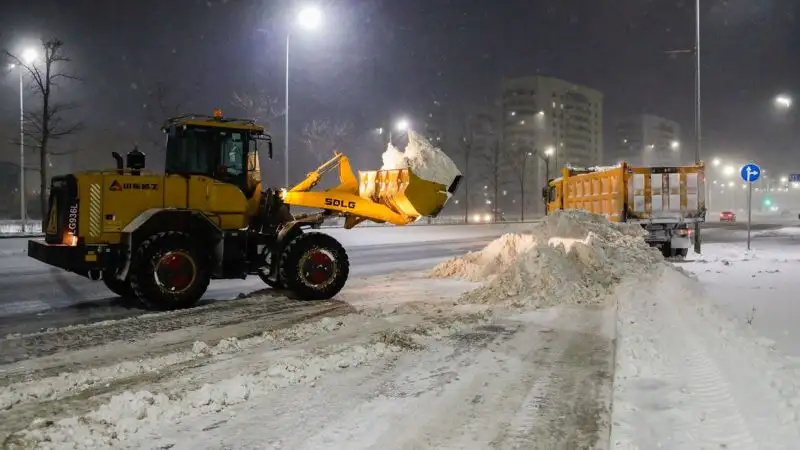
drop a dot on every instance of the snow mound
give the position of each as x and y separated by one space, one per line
130 415
572 257
426 161
482 264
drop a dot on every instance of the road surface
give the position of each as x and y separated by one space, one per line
34 296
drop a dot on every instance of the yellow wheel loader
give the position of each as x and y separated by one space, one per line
161 237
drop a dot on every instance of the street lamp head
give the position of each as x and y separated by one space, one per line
716 162
783 101
402 125
549 151
728 171
784 179
29 55
310 17
674 145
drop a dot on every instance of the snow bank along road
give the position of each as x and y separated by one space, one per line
576 335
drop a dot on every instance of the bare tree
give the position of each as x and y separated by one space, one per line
258 105
474 132
163 101
323 137
48 123
517 154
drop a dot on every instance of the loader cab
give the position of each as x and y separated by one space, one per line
224 149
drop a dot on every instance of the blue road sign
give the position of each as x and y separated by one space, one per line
794 178
751 173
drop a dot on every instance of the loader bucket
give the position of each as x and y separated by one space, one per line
405 193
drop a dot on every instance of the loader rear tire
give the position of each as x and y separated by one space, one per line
169 271
314 266
117 286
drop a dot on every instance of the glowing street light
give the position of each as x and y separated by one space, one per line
308 18
716 162
402 125
783 101
29 55
730 184
674 145
549 151
728 171
784 180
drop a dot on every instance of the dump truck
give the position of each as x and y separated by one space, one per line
161 237
668 202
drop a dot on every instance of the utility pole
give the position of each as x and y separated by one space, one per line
698 139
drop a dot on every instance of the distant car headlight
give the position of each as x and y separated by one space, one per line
476 218
487 217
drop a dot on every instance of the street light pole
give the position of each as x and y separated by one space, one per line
698 138
286 120
23 213
308 18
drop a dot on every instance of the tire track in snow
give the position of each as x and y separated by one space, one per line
714 396
749 383
565 409
467 397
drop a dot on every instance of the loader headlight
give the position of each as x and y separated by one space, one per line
70 239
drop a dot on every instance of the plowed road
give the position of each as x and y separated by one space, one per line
34 296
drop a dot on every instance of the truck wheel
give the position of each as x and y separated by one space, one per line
169 271
314 266
666 250
682 252
270 283
119 287
279 284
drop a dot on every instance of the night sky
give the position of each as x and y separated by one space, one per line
374 60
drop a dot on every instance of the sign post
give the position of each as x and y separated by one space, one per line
750 174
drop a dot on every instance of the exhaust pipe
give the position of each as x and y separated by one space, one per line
120 163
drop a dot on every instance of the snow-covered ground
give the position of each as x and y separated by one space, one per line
759 287
410 368
687 377
576 336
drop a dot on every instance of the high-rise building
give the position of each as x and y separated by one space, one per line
549 113
648 140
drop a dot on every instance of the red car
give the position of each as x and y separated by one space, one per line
727 216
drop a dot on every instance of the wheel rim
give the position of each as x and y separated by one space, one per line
175 272
317 268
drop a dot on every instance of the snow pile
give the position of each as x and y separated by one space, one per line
483 264
130 415
572 257
426 161
68 383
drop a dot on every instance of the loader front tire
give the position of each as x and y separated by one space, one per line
117 286
314 266
169 271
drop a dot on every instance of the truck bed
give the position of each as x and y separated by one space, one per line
639 194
